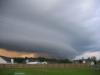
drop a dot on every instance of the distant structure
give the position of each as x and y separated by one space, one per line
84 62
2 61
34 62
27 60
5 60
37 62
12 61
31 61
90 60
44 62
92 63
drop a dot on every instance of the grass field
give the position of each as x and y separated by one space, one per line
49 71
45 71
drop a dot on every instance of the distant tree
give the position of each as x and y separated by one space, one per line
93 59
89 59
82 58
80 61
41 59
98 61
19 60
65 61
26 57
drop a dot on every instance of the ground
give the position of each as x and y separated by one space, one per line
49 71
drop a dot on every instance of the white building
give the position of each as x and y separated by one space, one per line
2 61
44 62
35 62
12 61
84 62
92 63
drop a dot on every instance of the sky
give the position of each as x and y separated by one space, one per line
58 28
16 54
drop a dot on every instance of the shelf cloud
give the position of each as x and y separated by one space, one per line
60 28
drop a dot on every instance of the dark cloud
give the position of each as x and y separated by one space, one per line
58 27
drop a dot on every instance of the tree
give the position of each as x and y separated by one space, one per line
93 59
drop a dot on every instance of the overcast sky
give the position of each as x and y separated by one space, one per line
60 28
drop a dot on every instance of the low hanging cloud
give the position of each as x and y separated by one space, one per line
60 28
89 54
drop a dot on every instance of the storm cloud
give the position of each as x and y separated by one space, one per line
60 28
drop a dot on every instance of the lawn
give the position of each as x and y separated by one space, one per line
48 71
51 71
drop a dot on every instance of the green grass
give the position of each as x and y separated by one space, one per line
47 71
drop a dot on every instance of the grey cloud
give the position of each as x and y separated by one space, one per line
58 28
